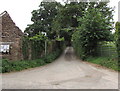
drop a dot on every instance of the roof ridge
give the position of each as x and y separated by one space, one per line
3 13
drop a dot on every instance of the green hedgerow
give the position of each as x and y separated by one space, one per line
8 66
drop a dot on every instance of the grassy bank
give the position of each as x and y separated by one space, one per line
8 66
111 63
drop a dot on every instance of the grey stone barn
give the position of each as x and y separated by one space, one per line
10 38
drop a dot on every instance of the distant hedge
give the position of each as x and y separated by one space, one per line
118 40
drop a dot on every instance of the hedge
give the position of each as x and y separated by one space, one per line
8 66
118 40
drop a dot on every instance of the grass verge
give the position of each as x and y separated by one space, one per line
8 66
111 63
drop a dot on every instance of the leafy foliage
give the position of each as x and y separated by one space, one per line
8 66
38 37
34 46
66 20
42 18
93 27
88 22
52 17
118 40
25 47
67 16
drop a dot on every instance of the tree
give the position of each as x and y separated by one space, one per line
93 27
57 19
66 21
69 12
67 16
43 18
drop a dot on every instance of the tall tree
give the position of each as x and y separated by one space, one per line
93 27
57 19
42 18
70 12
66 21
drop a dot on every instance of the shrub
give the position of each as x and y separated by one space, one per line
92 29
8 66
118 40
78 45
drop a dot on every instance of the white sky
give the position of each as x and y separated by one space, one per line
20 10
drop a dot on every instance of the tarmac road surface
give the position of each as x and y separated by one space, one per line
67 72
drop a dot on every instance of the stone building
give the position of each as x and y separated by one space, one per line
10 38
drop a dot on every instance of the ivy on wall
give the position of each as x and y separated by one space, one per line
34 47
25 47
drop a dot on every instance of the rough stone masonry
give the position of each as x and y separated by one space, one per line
10 38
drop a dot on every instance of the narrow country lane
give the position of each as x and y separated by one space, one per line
67 72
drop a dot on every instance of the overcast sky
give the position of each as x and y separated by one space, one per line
20 10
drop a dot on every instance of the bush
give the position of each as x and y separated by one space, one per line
8 66
78 45
118 40
92 29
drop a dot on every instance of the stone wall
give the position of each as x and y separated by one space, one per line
12 35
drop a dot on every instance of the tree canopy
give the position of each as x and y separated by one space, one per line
85 23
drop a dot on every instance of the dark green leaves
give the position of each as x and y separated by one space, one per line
93 27
118 40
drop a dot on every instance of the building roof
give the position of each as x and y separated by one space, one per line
3 13
8 22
